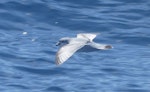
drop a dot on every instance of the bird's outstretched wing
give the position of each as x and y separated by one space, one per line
100 46
66 51
89 36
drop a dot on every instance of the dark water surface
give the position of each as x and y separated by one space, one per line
29 30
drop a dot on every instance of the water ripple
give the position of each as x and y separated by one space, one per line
30 29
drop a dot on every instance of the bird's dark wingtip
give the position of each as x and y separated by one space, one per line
108 47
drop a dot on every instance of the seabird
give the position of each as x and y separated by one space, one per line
83 42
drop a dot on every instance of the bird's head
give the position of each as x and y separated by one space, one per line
62 41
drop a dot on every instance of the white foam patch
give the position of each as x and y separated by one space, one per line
25 33
33 39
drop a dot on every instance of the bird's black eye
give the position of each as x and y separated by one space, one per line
63 41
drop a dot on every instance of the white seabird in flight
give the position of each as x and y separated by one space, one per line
83 42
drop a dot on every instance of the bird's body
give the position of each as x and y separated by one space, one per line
82 43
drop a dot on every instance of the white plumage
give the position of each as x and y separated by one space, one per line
68 46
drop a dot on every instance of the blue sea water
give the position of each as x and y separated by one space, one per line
29 30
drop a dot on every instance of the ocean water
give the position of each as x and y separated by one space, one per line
29 30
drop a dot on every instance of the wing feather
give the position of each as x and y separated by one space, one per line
89 36
66 52
100 46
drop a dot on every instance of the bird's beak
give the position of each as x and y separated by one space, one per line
58 43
